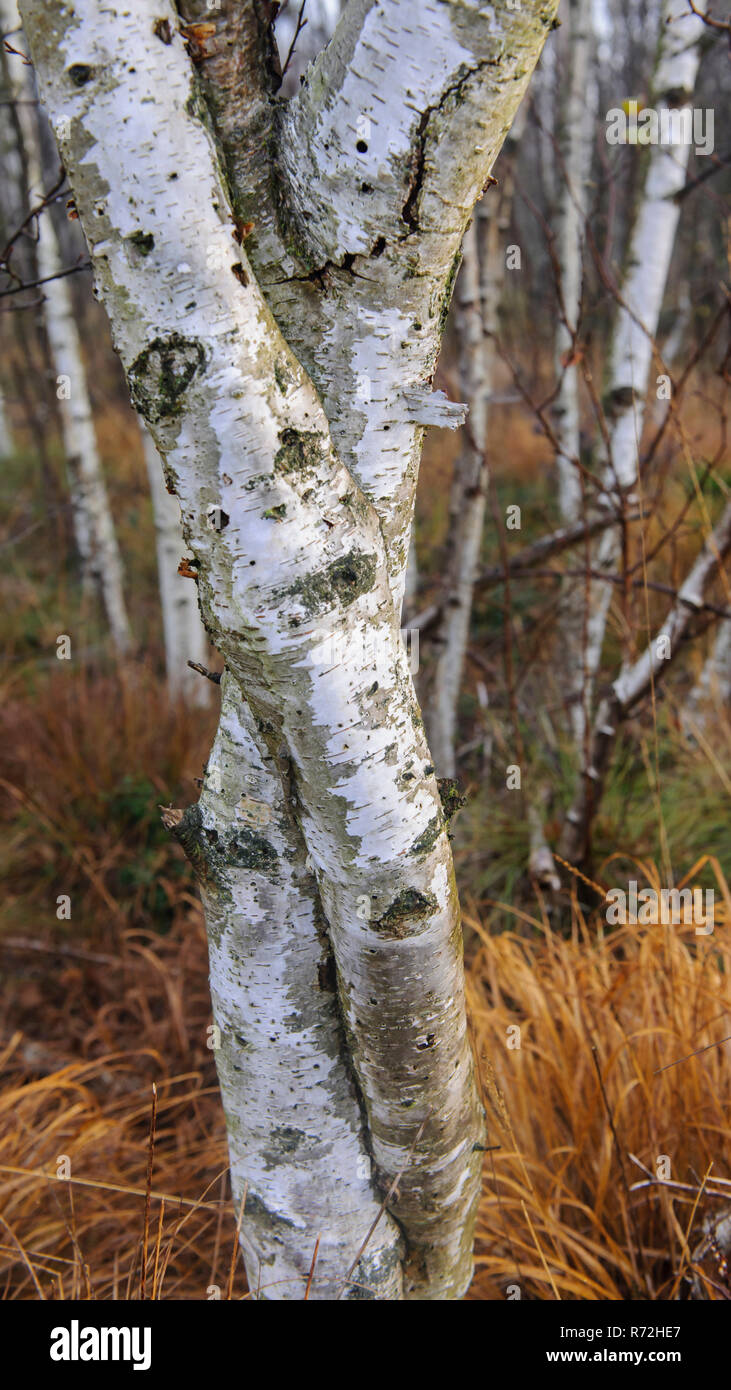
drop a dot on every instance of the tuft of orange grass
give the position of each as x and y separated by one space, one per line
97 1173
623 1060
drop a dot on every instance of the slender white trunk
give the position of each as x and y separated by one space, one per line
467 515
183 632
6 436
92 518
300 560
635 682
713 686
642 292
575 145
479 288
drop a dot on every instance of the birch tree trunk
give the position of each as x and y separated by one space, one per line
642 292
92 518
6 437
635 682
287 387
183 632
479 287
714 683
575 145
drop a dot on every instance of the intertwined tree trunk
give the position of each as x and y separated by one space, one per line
279 317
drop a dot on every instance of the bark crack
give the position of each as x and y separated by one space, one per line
409 211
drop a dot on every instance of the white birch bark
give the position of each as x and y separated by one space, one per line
300 561
713 686
479 288
635 681
183 632
467 513
295 1130
6 437
575 144
642 291
92 518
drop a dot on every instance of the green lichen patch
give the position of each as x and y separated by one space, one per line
428 837
451 796
143 241
282 377
257 1211
373 1275
342 582
402 918
285 1141
162 373
300 451
247 850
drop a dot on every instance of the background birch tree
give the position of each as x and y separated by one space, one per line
94 530
641 294
479 287
575 148
183 632
279 320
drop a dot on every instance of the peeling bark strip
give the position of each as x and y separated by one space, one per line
318 508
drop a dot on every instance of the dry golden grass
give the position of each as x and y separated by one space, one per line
559 1216
609 1020
79 1197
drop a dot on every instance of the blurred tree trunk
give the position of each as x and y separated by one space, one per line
633 344
92 518
411 582
635 682
479 287
6 437
577 125
714 683
642 291
184 634
291 428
